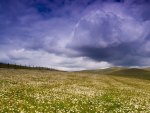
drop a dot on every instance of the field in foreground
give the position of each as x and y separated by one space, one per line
34 91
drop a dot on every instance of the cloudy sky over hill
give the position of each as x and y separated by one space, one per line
75 34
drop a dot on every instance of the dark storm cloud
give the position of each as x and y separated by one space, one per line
123 54
116 33
109 31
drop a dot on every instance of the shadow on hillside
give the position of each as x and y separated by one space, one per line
124 72
133 73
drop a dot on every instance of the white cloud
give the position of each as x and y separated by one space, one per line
30 38
42 58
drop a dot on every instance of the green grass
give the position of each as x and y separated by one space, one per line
34 91
133 72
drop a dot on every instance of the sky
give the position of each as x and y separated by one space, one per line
75 34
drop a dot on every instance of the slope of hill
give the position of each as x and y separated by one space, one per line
132 72
103 71
143 73
147 68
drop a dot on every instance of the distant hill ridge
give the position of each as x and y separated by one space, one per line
143 73
16 66
131 71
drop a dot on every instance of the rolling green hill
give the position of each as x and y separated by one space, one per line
132 72
103 71
143 73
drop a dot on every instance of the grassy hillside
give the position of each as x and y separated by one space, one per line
103 71
133 72
148 68
43 91
143 73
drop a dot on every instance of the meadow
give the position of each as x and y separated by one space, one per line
44 91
